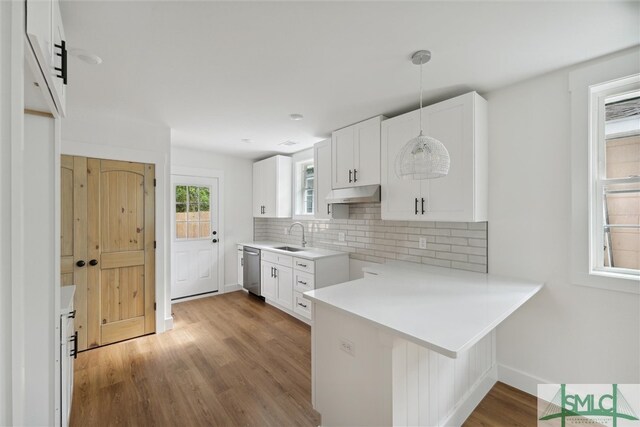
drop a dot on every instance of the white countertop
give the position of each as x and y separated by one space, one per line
66 299
442 309
307 253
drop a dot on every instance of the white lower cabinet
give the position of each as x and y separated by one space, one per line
240 265
277 283
269 287
285 278
68 352
284 285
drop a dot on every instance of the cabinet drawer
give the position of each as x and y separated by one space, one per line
284 260
302 306
303 282
304 265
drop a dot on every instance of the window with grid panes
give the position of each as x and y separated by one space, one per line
193 213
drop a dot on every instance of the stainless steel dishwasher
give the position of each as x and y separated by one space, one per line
251 271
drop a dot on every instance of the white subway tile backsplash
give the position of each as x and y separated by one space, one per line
368 238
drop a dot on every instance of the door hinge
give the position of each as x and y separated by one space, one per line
154 306
155 182
154 244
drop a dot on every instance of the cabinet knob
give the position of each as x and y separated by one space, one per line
215 240
93 262
81 263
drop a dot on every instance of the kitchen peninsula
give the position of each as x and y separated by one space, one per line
408 345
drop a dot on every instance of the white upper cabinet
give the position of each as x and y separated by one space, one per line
272 187
322 184
46 54
461 125
355 154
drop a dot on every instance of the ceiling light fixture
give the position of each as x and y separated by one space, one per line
422 157
246 140
289 143
296 116
85 56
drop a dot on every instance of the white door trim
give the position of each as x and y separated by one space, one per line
204 173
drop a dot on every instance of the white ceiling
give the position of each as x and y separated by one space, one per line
218 72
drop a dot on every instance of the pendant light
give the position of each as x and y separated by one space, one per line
422 157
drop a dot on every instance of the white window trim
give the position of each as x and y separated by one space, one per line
598 95
617 67
300 157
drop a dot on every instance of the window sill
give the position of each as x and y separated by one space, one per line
608 281
303 217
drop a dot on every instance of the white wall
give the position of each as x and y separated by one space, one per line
238 214
5 214
121 138
567 333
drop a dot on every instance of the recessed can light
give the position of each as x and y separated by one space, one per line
296 116
246 140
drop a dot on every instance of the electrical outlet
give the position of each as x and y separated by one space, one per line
341 237
286 231
348 347
423 243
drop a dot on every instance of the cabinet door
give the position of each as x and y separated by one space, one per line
60 92
451 198
269 183
39 23
240 268
366 166
342 156
257 189
269 288
399 195
284 280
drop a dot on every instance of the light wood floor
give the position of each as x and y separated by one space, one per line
230 360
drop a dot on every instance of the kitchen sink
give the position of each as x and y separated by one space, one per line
289 249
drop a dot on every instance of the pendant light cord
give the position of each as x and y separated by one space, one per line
421 64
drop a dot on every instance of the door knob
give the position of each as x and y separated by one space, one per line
80 263
93 262
215 240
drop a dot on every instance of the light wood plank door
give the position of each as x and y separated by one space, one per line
108 247
73 232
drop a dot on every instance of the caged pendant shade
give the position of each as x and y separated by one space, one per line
422 157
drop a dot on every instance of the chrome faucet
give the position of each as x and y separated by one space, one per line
304 242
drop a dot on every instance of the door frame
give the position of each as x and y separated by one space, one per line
183 171
164 319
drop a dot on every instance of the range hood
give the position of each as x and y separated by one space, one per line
364 194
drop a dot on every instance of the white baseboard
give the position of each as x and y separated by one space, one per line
462 412
519 379
168 323
232 287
